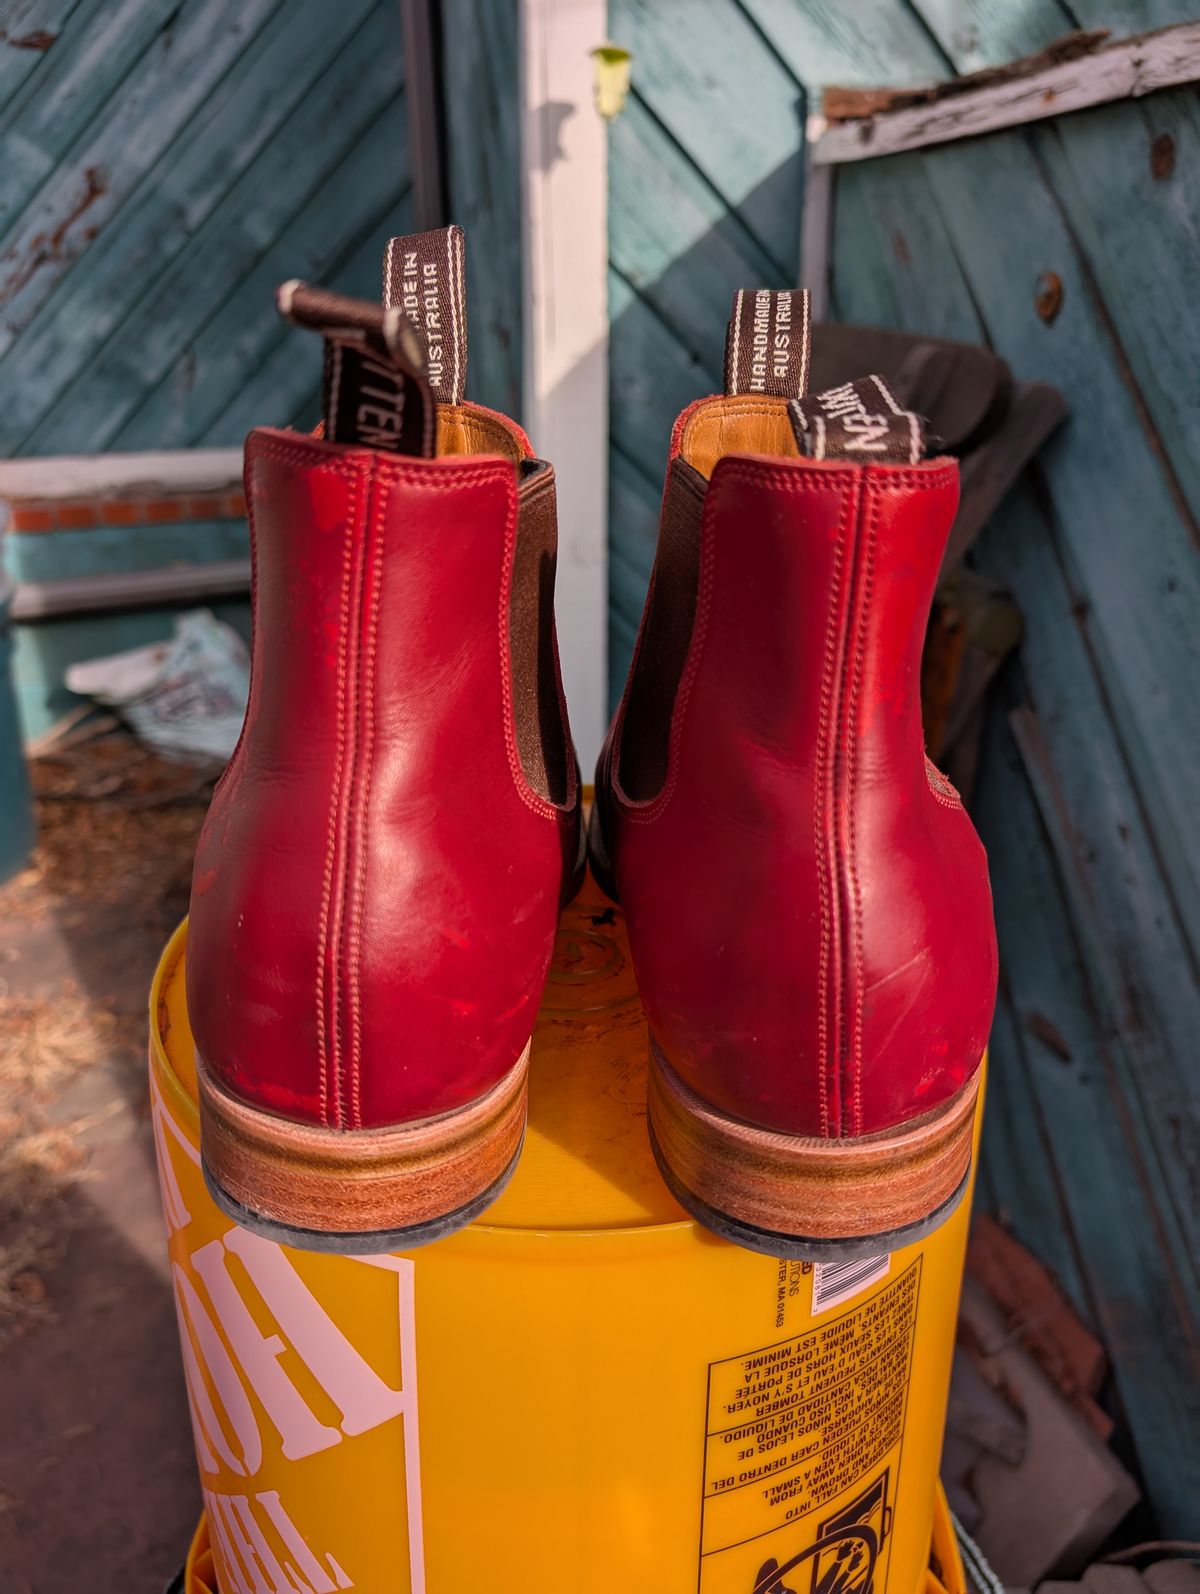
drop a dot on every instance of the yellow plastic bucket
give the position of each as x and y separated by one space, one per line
944 1576
586 1392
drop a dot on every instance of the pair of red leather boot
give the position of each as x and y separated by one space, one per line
379 877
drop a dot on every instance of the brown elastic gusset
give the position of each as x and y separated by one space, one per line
665 637
746 424
543 742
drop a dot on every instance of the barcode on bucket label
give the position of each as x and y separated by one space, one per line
835 1282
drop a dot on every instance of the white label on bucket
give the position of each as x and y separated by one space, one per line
835 1282
802 1450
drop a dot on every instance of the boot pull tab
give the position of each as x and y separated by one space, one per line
769 342
861 421
424 276
375 392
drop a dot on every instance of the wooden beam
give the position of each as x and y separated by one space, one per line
131 589
1026 93
184 470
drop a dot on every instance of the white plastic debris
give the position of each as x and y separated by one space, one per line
185 698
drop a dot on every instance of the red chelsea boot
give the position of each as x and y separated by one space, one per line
379 876
807 900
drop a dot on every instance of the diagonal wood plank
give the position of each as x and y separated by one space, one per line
1139 965
327 123
1146 1310
653 377
278 72
673 238
1023 1183
204 393
77 79
1108 488
870 42
726 98
894 256
166 87
1134 16
978 33
1131 204
29 23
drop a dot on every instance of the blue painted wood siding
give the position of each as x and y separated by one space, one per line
1089 809
166 164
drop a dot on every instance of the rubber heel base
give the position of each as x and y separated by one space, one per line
802 1247
357 1191
368 1242
810 1197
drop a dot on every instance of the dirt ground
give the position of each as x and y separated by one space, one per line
97 1478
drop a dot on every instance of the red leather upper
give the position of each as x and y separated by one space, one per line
808 902
377 886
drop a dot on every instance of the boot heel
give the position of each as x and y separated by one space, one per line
807 1196
360 1191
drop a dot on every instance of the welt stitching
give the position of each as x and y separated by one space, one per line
345 818
317 459
309 458
820 810
862 619
374 552
324 1040
788 478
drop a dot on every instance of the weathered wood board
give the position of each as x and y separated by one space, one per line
166 165
1092 1142
1093 1158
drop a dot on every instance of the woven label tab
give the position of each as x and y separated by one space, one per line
861 421
768 342
423 275
375 391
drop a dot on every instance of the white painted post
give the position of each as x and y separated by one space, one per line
564 192
816 223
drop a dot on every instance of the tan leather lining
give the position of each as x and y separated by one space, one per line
747 424
462 430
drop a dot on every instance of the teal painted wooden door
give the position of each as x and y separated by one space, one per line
1087 799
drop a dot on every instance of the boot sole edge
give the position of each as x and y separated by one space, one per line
360 1190
805 1196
